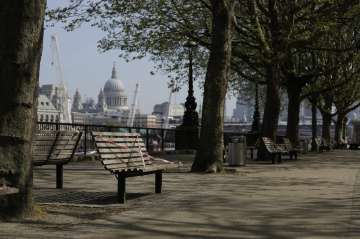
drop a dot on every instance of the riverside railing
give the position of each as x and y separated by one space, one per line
156 139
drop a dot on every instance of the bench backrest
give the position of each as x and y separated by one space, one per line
271 147
54 147
42 146
121 151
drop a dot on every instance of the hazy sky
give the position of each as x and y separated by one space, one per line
87 70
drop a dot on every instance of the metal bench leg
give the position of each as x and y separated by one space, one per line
158 182
59 176
251 154
280 159
121 194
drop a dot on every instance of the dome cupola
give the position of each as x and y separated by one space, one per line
114 92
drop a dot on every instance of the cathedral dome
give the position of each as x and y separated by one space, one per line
114 93
114 84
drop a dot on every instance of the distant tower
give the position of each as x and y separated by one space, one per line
242 111
101 105
114 93
76 106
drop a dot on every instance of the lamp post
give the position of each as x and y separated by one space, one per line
191 117
187 134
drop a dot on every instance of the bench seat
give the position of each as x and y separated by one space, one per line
275 150
125 155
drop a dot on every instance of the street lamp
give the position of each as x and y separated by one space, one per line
191 117
187 134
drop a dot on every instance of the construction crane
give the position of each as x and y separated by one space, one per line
166 119
63 103
130 122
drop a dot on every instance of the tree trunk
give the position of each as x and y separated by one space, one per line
326 125
313 127
339 129
209 156
21 30
292 129
326 119
272 105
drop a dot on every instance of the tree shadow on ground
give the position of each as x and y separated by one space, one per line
82 197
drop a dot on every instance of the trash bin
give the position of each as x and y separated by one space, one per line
237 151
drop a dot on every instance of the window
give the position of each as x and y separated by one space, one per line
46 118
41 117
52 118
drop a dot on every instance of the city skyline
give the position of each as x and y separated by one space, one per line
86 69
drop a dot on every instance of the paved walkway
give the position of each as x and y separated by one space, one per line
317 196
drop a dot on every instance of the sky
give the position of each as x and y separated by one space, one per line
86 69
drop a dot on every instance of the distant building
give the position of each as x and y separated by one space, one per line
46 111
76 105
114 94
176 113
146 121
111 107
176 110
57 94
243 111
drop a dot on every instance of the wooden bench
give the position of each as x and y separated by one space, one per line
293 151
55 148
275 150
325 145
125 155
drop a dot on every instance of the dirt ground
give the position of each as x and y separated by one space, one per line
317 196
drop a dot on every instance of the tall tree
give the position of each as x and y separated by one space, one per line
160 30
210 153
21 30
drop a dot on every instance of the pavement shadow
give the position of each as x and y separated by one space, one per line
83 197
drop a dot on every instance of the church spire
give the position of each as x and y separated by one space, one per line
113 73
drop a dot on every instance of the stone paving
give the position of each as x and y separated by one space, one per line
317 196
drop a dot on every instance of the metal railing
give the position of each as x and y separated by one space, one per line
156 139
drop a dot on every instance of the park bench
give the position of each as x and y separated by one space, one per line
293 151
275 150
325 145
55 148
125 155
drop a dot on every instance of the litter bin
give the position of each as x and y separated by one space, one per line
237 151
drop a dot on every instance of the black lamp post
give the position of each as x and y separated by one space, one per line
191 117
187 134
255 127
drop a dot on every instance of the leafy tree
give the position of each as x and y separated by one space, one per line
21 30
159 29
210 153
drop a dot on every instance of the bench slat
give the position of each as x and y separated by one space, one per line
124 161
120 150
117 134
119 156
118 139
